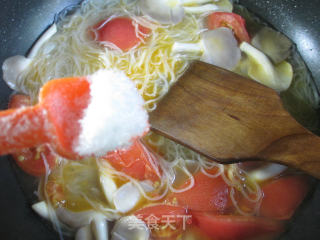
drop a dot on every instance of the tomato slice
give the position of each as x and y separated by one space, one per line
137 162
230 20
120 31
282 196
208 194
33 161
228 227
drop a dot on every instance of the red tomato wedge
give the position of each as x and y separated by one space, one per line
32 160
208 194
227 227
137 162
230 20
35 160
283 196
120 31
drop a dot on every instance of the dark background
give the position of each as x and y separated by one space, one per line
22 21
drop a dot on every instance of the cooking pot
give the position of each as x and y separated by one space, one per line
22 21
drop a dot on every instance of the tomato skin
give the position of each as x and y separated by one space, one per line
32 160
137 162
208 194
230 20
228 227
121 32
282 196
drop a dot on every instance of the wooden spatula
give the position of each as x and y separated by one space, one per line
229 118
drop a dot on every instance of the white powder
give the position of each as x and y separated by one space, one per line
114 116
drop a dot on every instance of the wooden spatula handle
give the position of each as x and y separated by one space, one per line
230 118
301 151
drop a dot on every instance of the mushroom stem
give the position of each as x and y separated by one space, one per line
190 2
267 172
201 9
193 48
261 69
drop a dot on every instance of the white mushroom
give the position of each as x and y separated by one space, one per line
273 43
99 228
218 47
202 8
84 233
266 172
96 230
108 185
172 11
224 5
126 197
77 219
130 228
42 209
258 67
13 67
163 11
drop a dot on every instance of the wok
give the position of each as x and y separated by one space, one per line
21 22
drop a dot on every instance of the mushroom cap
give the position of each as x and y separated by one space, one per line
162 11
220 48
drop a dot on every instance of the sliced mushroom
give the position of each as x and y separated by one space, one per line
258 67
77 219
108 186
14 66
266 172
218 47
163 11
42 209
99 228
84 233
172 11
126 197
130 228
273 43
224 5
202 8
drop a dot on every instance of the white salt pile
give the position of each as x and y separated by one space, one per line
114 116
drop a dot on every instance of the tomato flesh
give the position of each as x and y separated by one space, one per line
121 32
208 194
137 162
229 20
34 161
282 196
227 227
